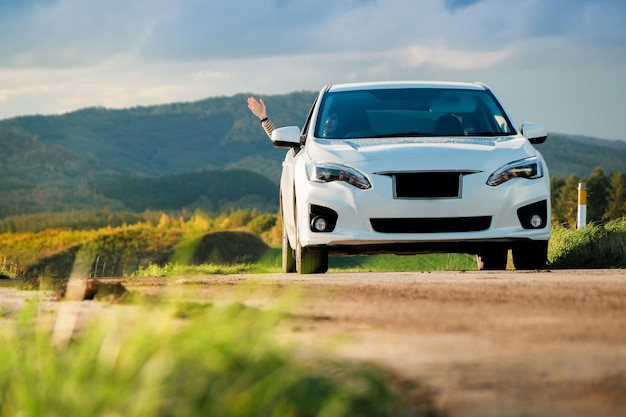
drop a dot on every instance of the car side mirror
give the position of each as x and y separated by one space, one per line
535 133
286 137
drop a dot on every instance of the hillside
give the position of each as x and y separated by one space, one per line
580 155
168 139
171 156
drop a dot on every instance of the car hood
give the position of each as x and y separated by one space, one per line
427 153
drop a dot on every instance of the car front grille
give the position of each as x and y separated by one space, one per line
427 184
432 225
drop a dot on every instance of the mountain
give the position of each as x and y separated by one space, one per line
580 155
61 163
168 139
210 154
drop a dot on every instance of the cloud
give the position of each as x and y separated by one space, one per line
445 58
76 32
64 54
459 4
232 28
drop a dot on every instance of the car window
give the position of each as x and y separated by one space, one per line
411 112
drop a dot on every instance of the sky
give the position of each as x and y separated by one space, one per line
561 63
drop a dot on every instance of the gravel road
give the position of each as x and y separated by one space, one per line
502 344
496 344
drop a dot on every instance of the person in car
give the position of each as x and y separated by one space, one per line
331 125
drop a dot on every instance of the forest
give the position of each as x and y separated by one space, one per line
606 197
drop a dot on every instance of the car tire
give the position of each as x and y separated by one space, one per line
311 261
531 255
288 258
494 259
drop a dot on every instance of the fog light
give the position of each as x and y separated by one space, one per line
319 223
535 215
536 220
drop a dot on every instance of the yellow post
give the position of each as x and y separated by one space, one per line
582 205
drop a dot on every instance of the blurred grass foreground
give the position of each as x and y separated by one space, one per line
184 359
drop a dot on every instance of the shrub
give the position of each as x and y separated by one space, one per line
594 246
262 223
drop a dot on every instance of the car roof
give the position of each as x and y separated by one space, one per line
405 84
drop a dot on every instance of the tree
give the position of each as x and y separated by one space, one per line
566 208
556 184
616 207
597 195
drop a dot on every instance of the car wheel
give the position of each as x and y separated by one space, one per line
288 259
311 261
492 259
531 255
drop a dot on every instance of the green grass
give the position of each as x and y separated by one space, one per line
200 246
174 269
395 263
271 262
178 360
7 269
594 246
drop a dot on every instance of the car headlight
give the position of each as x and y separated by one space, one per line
526 168
327 172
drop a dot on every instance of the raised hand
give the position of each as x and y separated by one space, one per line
257 108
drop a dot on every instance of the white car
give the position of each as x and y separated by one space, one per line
413 167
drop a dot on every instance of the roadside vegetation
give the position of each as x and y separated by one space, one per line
244 241
238 238
606 197
183 359
595 246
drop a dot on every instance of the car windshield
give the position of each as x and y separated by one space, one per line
405 112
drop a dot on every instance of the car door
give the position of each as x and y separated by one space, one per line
287 187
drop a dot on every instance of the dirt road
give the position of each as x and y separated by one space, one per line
488 343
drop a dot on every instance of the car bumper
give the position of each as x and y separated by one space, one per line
355 208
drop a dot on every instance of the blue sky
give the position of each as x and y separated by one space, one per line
557 62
